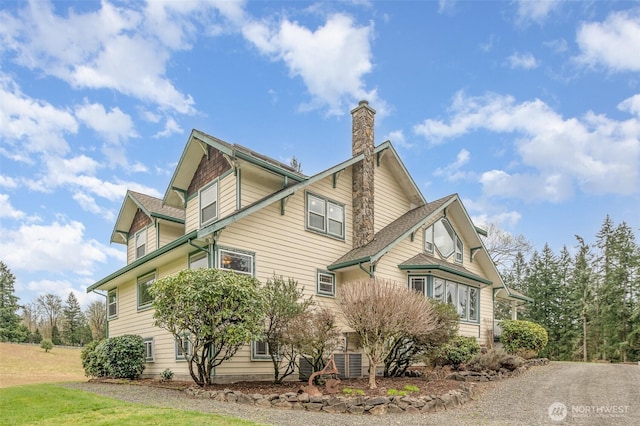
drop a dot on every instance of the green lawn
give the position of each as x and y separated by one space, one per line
49 404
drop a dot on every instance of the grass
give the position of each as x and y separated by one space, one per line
24 364
23 402
50 404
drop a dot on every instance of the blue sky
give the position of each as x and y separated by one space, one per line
530 110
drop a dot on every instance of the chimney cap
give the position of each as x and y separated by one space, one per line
363 104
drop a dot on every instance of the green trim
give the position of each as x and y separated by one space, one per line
348 263
114 316
481 231
448 269
387 145
327 201
147 305
514 296
215 182
331 274
167 218
144 259
238 188
268 166
223 223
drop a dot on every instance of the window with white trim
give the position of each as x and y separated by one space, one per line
143 283
464 298
208 204
418 284
141 243
441 236
148 349
112 302
199 259
182 347
240 262
326 283
325 216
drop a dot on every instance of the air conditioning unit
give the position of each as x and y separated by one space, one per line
349 364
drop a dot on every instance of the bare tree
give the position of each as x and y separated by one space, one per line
382 311
96 314
503 247
50 308
30 316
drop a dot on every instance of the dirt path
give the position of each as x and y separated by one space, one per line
592 394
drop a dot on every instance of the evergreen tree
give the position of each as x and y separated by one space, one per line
9 319
73 320
582 298
55 336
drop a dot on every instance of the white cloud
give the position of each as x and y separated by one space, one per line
486 211
597 154
631 105
7 210
332 60
87 50
398 139
522 60
535 10
48 248
31 125
88 203
114 126
171 126
452 171
8 182
613 44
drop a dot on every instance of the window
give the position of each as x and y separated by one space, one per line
112 297
473 304
442 236
235 261
144 297
326 283
325 216
208 204
260 350
148 349
199 260
418 284
183 346
141 243
438 289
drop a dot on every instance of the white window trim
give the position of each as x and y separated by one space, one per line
200 206
115 303
144 280
222 250
178 346
135 243
430 292
333 279
327 203
148 343
430 246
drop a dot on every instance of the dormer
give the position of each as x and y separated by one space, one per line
145 224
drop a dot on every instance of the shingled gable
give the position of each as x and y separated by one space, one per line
198 146
391 234
152 207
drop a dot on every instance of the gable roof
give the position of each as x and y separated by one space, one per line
393 233
151 206
196 147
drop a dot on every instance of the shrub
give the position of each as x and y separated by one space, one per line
350 391
124 356
166 375
523 338
396 392
47 345
93 362
411 388
457 351
494 360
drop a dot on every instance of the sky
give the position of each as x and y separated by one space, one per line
529 110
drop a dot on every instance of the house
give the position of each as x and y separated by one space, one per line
229 207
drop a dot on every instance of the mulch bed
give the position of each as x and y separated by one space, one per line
427 387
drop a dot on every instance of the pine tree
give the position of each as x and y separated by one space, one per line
582 297
73 320
10 329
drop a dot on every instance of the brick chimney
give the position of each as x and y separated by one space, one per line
362 185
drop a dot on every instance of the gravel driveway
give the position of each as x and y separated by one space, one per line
559 393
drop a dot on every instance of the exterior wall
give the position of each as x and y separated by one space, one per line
140 220
391 201
226 195
169 233
254 187
208 169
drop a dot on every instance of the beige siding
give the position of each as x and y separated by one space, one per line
169 233
254 187
390 199
192 221
152 241
227 195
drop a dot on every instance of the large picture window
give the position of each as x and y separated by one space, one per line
325 216
237 261
208 204
143 283
464 298
441 236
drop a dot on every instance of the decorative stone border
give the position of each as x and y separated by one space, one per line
376 405
489 376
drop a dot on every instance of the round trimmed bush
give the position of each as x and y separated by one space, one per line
523 338
93 360
458 350
124 356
